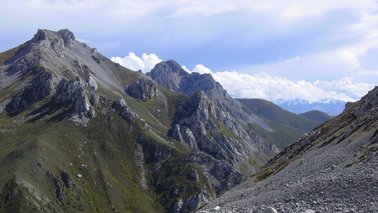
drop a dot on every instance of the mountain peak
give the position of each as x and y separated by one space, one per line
169 74
66 35
170 66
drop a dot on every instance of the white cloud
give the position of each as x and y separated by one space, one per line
200 68
273 88
269 86
134 62
356 60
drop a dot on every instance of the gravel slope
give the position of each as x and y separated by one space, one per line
332 169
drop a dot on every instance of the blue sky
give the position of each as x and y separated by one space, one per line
273 49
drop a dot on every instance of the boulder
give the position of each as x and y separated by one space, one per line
66 178
92 83
270 210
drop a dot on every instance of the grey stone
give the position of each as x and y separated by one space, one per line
144 88
270 210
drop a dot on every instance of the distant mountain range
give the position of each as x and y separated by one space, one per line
286 126
297 106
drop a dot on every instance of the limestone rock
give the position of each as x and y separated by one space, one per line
144 88
177 207
92 83
175 133
74 92
40 87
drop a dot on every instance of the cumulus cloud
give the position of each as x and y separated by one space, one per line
200 68
266 85
134 62
273 88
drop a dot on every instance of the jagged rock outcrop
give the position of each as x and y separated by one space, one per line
221 174
144 88
154 153
124 111
199 121
39 88
74 92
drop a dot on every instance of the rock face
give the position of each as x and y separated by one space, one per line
200 118
143 89
39 88
331 169
73 92
214 147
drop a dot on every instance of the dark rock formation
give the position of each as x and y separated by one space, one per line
154 153
58 183
221 174
40 87
66 178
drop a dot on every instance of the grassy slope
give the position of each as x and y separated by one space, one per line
103 153
275 113
110 177
287 127
316 115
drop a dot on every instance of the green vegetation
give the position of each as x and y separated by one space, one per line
103 153
316 115
272 112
